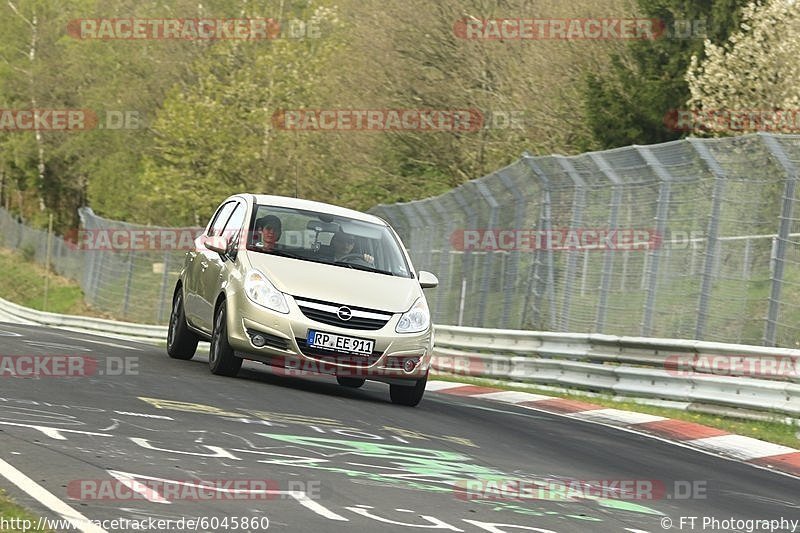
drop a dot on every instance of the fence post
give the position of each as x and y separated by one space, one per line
163 293
467 265
427 233
489 257
128 281
608 255
545 224
445 257
578 203
786 218
413 230
662 213
712 248
513 269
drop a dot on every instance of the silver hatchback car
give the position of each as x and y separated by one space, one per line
306 287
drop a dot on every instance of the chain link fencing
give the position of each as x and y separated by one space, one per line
693 239
122 269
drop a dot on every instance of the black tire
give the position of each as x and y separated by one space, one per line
221 360
408 396
181 341
353 383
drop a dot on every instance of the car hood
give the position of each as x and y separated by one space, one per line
335 284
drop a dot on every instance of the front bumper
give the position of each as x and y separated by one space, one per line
398 358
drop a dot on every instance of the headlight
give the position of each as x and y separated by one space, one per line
258 288
416 319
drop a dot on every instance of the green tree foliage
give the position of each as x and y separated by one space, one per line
628 104
202 111
216 136
755 71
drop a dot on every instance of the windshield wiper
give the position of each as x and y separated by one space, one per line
364 268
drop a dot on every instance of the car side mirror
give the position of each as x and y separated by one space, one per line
427 280
217 243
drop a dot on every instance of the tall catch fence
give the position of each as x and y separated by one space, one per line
697 238
121 267
693 239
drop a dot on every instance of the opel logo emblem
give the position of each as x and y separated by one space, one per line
344 313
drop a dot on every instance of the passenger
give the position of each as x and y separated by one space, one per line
343 244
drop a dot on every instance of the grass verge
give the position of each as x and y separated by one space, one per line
777 432
17 518
22 282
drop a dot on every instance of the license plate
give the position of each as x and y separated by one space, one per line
339 343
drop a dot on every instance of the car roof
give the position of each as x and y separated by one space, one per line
310 205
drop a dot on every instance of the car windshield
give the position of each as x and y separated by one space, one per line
324 238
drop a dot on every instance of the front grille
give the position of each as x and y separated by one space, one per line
326 313
330 356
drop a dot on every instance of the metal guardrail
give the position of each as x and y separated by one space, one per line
667 369
12 312
629 366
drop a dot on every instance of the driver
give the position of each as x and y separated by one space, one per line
267 232
343 244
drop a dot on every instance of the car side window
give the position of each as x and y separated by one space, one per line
223 213
235 221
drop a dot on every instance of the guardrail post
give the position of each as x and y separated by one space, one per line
578 204
662 213
712 248
514 257
539 283
786 219
489 257
608 256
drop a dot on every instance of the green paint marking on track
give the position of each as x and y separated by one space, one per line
426 469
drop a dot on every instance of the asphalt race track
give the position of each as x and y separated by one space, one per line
141 436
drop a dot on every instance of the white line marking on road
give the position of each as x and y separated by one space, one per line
5 333
105 343
145 415
132 481
67 347
46 498
129 481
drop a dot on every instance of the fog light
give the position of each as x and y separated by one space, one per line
410 364
259 340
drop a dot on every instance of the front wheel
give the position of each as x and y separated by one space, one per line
221 360
181 341
408 396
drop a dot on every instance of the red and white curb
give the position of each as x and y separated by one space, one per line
708 439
